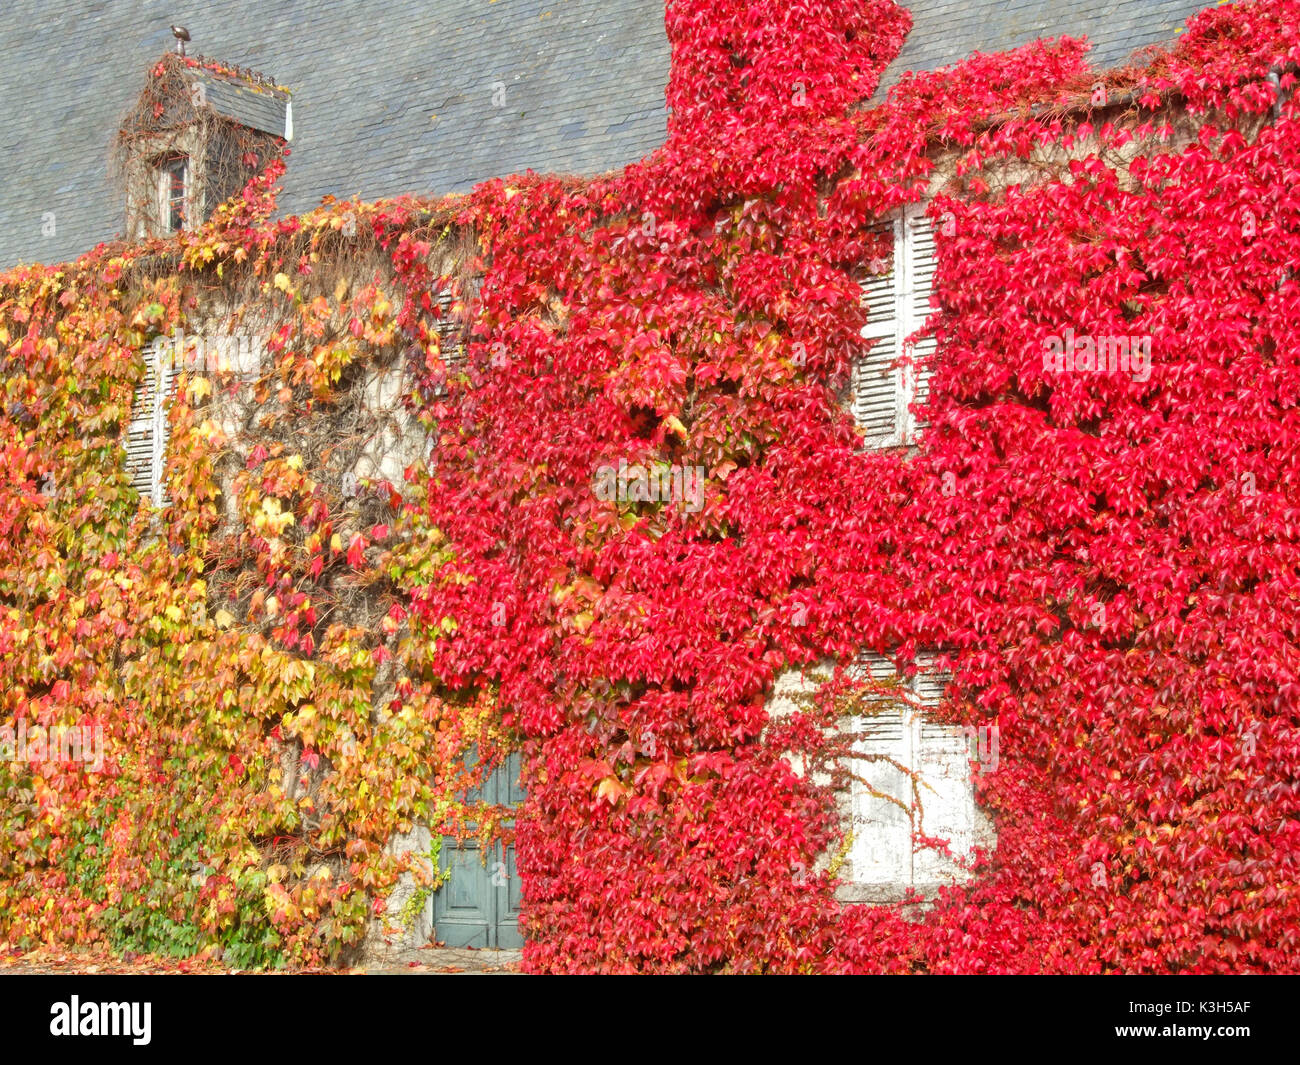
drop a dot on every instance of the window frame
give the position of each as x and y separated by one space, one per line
167 203
882 861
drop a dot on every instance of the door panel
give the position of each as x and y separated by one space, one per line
510 791
507 900
479 904
464 908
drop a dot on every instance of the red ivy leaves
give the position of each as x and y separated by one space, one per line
357 550
643 640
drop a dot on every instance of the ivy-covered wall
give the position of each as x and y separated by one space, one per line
1105 558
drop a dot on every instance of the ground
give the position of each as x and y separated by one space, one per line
428 960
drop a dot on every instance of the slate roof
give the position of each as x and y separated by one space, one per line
395 96
388 97
944 31
253 107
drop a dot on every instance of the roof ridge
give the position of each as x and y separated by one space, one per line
246 77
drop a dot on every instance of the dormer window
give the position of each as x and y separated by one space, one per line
173 193
198 134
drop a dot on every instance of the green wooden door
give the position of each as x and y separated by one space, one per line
478 906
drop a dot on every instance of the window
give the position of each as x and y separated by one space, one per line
897 304
881 863
173 175
146 438
451 341
450 338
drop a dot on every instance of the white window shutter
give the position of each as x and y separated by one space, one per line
929 683
146 438
167 381
881 862
897 305
451 345
876 667
947 801
139 434
449 334
880 856
917 285
947 794
877 382
880 294
876 394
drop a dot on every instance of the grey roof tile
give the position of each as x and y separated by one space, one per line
944 31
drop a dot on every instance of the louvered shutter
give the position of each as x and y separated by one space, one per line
449 332
947 800
929 683
876 667
947 795
146 441
897 305
167 381
881 860
876 380
918 284
451 345
876 393
139 434
880 856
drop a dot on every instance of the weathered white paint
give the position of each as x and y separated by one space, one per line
892 374
883 810
398 439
